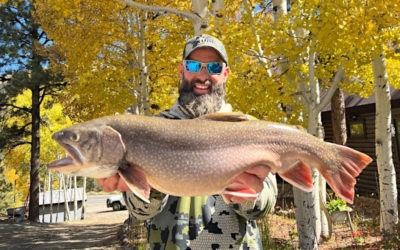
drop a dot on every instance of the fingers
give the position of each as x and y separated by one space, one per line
251 181
122 186
109 184
260 171
113 183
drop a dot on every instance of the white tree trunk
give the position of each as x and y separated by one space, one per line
307 205
199 23
143 97
200 8
383 143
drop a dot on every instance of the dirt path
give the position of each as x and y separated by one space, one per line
98 231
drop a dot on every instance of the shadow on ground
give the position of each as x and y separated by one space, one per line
58 236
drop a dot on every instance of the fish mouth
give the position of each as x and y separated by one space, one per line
74 158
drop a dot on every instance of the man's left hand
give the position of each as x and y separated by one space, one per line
252 179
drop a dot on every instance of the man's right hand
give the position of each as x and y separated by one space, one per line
113 183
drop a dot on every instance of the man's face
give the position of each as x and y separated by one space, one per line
201 92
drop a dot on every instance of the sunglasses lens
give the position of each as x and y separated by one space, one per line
214 68
193 66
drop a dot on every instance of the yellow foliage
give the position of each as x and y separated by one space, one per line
97 46
17 161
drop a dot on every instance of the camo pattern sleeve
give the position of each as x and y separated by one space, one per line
263 205
142 210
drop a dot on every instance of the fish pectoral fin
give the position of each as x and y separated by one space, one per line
227 117
113 148
299 175
136 180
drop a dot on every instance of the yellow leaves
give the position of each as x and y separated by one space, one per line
17 162
371 29
99 43
11 175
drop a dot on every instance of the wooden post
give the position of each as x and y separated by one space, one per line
59 195
51 197
44 196
66 203
83 217
75 200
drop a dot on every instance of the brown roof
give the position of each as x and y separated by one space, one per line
356 100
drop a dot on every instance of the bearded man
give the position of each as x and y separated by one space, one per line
203 222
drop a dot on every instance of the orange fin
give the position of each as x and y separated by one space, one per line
136 180
352 164
227 117
299 175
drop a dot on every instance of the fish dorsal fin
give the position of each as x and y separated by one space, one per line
227 117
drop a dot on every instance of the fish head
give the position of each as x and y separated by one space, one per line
82 144
93 150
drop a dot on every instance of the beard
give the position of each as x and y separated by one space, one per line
198 105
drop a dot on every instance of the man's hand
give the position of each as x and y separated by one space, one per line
113 183
251 179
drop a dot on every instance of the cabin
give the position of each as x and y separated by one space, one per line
360 120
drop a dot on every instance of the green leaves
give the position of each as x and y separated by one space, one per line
336 205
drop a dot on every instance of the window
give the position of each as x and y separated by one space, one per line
357 129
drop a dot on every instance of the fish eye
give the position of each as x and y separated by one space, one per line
74 137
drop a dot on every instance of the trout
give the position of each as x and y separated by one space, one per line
202 156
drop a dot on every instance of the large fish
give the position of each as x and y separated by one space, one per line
202 156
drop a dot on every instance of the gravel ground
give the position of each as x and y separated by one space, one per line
99 231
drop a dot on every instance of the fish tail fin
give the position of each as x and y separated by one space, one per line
352 164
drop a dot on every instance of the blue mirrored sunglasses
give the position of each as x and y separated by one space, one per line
212 67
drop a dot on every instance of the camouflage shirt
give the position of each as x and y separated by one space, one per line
201 222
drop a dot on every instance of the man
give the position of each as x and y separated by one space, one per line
207 222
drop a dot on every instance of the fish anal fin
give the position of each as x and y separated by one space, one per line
239 190
299 175
242 193
227 117
136 180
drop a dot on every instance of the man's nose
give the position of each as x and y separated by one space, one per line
203 74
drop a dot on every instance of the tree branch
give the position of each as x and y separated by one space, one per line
42 96
19 143
28 110
156 8
336 80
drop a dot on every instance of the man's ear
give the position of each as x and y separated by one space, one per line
180 71
226 73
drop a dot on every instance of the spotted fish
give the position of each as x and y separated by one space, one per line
202 156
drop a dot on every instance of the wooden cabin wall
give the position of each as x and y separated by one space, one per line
368 180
